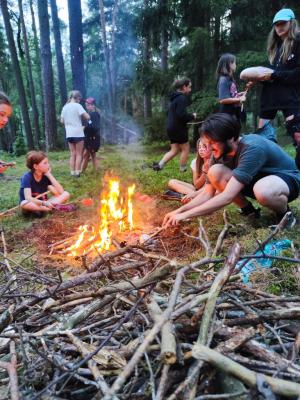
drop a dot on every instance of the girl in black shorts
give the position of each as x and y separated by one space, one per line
177 129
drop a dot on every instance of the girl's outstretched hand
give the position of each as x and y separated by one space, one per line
172 218
188 197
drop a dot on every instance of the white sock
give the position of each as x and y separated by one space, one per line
73 173
161 164
77 172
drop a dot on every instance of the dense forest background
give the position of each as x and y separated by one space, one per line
125 54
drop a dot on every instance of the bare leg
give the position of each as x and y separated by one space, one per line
30 206
171 153
78 159
219 175
180 186
60 199
72 148
95 160
185 151
85 159
272 192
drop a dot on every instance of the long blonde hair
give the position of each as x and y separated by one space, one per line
274 43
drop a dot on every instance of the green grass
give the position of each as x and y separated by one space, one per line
127 162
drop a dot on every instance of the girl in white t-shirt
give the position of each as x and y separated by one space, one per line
199 166
71 116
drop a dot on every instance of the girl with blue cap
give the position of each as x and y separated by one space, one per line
281 88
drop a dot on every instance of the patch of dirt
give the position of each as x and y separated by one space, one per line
59 226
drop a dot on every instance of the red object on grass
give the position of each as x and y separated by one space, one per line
87 202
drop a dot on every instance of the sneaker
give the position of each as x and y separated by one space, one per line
38 214
156 166
172 195
291 219
253 213
65 207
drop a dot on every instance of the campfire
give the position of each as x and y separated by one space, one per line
114 216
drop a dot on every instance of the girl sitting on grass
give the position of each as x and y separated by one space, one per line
199 166
36 183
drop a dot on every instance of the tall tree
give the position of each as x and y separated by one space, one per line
17 73
76 45
110 59
106 57
164 14
59 55
47 76
35 112
146 63
37 63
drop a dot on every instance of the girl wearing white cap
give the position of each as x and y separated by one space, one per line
281 88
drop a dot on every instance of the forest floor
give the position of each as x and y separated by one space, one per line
29 238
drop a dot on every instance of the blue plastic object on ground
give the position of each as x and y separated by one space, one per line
270 249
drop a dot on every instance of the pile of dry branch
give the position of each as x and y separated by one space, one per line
137 325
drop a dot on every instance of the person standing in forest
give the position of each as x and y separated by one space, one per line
5 114
281 88
91 135
230 100
71 116
177 129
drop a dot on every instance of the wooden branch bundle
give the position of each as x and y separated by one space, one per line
128 325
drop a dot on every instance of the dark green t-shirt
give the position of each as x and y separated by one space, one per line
256 154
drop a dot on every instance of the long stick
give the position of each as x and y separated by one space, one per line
279 386
17 207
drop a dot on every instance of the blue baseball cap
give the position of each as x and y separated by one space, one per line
286 14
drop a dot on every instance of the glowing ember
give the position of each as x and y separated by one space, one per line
115 215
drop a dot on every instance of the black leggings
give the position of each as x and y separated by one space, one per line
271 114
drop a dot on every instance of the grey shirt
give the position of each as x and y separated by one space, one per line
256 154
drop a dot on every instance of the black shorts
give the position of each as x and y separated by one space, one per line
179 138
271 114
289 180
74 139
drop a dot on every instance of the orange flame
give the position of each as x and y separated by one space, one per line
115 215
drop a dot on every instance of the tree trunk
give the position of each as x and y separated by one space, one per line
47 76
147 89
164 46
35 112
106 55
76 45
37 64
17 72
108 70
59 55
113 54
